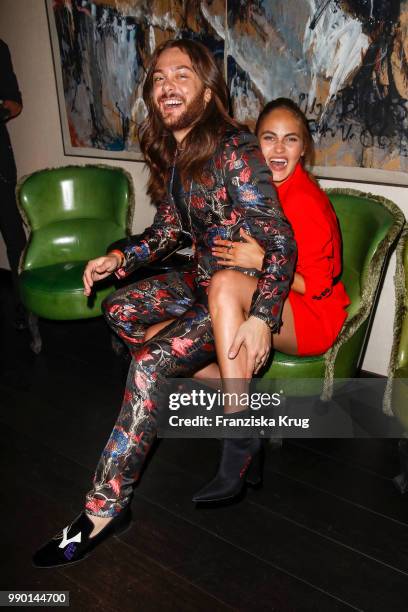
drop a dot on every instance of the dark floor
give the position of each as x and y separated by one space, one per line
327 531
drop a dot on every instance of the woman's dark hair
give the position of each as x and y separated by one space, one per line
158 143
294 109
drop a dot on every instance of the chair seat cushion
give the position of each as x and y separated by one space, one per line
57 292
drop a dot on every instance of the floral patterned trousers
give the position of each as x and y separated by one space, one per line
180 349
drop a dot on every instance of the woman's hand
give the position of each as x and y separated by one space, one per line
98 269
248 254
255 335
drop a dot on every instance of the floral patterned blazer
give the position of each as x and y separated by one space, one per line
236 192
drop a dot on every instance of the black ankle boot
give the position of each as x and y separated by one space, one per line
241 463
74 544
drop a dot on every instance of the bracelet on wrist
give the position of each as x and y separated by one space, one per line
118 254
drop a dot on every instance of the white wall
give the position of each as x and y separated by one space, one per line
37 143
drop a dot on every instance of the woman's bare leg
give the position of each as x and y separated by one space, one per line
230 297
229 300
286 341
210 372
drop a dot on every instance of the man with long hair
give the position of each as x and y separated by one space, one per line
208 178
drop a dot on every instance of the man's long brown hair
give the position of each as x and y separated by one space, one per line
157 142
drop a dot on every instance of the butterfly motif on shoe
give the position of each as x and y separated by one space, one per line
65 541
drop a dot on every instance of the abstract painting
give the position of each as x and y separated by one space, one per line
344 61
101 49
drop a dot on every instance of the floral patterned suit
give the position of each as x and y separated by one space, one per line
236 192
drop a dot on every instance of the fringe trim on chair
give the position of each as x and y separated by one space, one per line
24 218
370 290
131 207
401 308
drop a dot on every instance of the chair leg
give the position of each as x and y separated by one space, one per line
36 341
401 481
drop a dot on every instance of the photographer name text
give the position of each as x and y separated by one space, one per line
228 421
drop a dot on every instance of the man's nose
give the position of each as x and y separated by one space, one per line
168 85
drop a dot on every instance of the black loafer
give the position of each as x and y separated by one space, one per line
74 544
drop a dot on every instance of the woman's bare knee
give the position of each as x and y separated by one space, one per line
230 288
223 281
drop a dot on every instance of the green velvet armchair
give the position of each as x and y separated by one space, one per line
370 226
73 214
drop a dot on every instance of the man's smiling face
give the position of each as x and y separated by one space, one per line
178 93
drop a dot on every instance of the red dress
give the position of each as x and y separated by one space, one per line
320 313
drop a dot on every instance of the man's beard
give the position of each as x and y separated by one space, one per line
189 117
